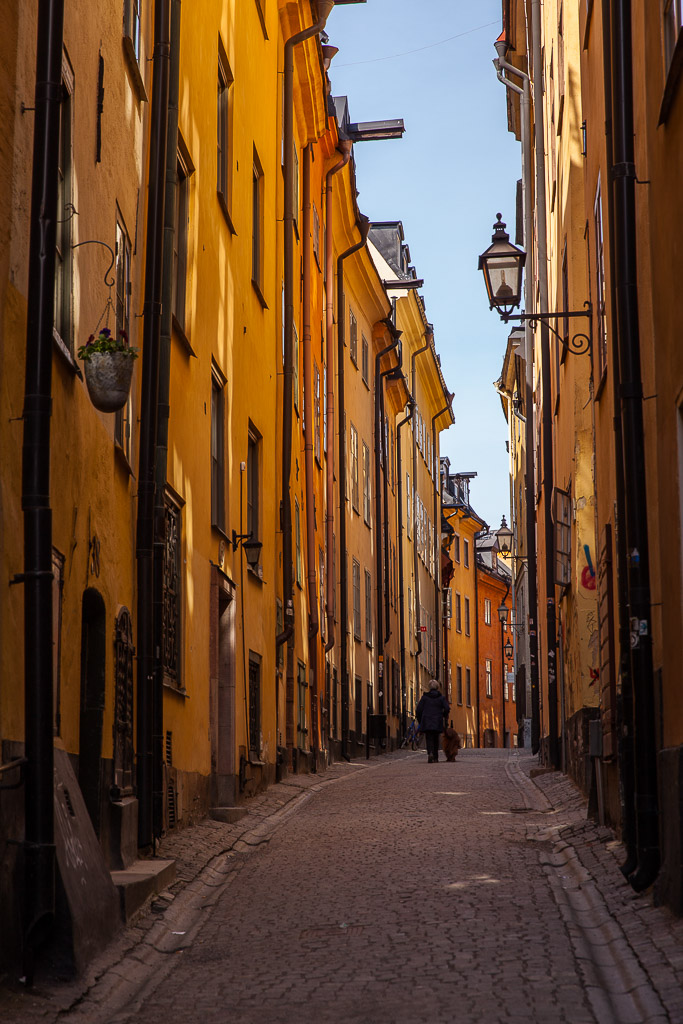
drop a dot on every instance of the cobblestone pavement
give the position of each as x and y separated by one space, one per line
392 890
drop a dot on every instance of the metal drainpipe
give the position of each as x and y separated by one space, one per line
163 411
477 535
401 592
547 414
313 622
379 519
429 336
364 227
437 542
529 440
345 148
624 725
623 177
287 635
38 845
148 417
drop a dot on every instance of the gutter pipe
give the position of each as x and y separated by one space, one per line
287 635
364 227
148 417
162 417
623 176
529 441
345 148
313 620
429 338
401 606
624 709
437 539
379 518
546 412
38 845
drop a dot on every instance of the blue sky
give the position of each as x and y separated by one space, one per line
454 169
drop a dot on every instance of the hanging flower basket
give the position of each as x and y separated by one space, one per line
108 365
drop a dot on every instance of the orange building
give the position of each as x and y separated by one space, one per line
496 695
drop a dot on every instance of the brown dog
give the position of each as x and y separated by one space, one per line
450 743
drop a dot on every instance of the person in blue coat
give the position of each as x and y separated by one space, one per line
432 714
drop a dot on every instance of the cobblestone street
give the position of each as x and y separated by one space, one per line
398 891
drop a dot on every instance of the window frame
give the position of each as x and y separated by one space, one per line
353 337
257 226
218 382
254 440
488 672
355 576
224 144
368 608
181 234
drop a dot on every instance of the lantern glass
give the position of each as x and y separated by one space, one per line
504 537
252 550
502 264
503 612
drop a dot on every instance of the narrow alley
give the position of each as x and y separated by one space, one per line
395 890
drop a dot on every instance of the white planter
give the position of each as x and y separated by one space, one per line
108 376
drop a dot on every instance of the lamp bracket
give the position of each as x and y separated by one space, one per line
580 344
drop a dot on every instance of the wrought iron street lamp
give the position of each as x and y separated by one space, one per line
504 537
503 264
251 547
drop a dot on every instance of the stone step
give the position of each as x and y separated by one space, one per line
141 880
228 815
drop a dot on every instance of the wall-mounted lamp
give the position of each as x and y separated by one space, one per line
509 650
502 264
251 548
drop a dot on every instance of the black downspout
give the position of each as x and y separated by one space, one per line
38 847
635 477
148 419
401 588
379 519
477 535
364 227
438 612
625 691
429 335
163 412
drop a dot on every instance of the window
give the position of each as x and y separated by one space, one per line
321 584
217 449
468 687
131 26
489 678
563 538
182 212
600 306
393 461
353 337
123 417
301 729
224 126
57 591
257 225
467 616
279 627
410 620
254 703
673 20
325 409
356 599
299 560
359 708
366 483
295 187
368 608
261 8
316 412
254 483
63 324
458 613
365 359
456 548
458 683
354 469
316 235
487 611
466 553
409 502
295 386
171 654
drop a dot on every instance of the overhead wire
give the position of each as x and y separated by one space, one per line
419 49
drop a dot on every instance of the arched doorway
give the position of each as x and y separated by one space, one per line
93 650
